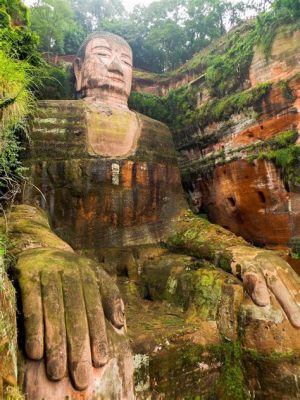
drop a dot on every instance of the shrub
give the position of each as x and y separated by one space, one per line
16 102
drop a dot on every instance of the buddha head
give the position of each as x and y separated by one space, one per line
103 69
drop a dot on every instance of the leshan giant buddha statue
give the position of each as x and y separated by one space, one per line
110 179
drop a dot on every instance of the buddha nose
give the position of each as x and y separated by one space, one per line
115 66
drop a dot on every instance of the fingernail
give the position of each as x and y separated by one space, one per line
100 355
295 319
56 369
119 320
34 349
261 302
261 296
119 315
81 375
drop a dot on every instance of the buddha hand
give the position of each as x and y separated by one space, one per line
262 272
65 300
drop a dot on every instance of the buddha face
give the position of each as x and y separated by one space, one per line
106 70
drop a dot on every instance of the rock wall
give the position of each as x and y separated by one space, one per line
228 167
226 164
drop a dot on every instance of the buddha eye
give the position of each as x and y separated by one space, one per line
103 54
127 63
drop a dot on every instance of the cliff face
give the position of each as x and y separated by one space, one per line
241 162
236 178
192 72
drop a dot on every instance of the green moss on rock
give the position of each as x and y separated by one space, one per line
199 238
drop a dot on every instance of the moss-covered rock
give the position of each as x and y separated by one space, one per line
28 229
8 335
197 237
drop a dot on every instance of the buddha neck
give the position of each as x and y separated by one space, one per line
98 95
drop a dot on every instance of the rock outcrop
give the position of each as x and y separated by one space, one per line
235 163
241 169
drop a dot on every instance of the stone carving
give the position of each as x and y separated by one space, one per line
8 334
95 214
103 69
264 274
73 317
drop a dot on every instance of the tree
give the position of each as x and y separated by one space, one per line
52 19
63 24
90 12
16 39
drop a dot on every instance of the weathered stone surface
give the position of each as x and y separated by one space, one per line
236 187
74 338
111 140
186 306
194 318
270 352
283 62
97 201
8 334
112 381
267 340
192 324
103 69
176 337
250 200
276 221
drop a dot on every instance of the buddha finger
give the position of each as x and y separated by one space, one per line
30 287
284 298
255 285
290 283
55 330
95 316
79 353
111 299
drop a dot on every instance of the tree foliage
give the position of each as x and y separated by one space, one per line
170 32
18 63
162 35
62 25
16 39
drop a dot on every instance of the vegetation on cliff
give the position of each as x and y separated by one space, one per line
176 110
285 154
224 69
16 103
179 109
19 63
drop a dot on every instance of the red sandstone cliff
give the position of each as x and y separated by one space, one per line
227 166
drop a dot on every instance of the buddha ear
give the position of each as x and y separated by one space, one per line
77 65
